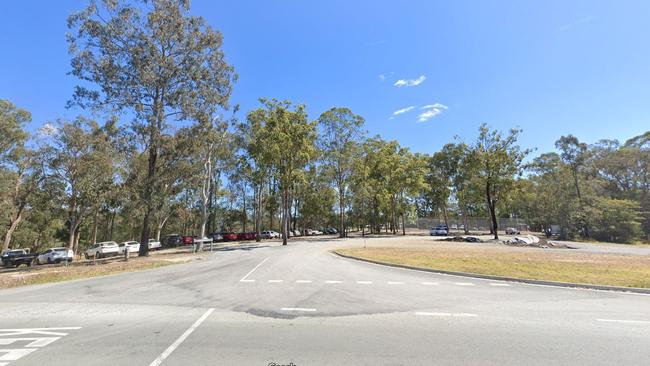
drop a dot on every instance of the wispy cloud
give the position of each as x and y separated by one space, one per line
403 110
575 23
383 76
430 111
410 82
47 130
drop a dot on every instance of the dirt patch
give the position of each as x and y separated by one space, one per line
87 269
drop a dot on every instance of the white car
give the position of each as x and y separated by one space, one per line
55 255
512 231
270 234
439 230
154 244
133 247
103 249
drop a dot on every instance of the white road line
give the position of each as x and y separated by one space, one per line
332 281
430 283
364 282
243 279
303 281
182 338
499 284
464 284
276 281
395 283
624 321
454 315
298 309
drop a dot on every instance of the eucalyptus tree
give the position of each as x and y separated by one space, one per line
80 160
153 60
289 145
499 161
574 154
18 174
339 138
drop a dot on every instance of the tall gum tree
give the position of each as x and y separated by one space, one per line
153 60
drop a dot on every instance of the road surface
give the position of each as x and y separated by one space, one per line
301 305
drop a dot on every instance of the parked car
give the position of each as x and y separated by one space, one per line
154 244
204 241
17 257
331 230
188 240
133 247
102 250
251 235
216 237
229 236
270 234
439 230
55 255
172 240
296 232
512 231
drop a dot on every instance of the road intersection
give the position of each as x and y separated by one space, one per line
301 304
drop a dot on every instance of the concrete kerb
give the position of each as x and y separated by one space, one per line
634 290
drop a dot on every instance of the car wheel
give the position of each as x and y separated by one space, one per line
49 260
98 256
87 256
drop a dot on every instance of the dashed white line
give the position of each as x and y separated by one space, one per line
243 279
276 281
182 338
395 283
332 281
454 315
499 284
624 321
429 283
364 282
299 309
303 281
464 284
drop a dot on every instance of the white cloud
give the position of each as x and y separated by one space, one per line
410 82
430 111
47 130
403 110
382 77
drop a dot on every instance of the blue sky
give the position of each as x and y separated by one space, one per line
548 67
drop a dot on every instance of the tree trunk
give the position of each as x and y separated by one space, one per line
148 189
285 225
11 228
95 225
492 208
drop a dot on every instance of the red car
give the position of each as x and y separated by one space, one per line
229 236
188 240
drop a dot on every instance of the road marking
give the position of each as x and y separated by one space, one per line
275 281
182 338
500 285
298 309
454 315
303 281
395 283
243 279
624 321
364 282
8 337
332 281
464 284
430 283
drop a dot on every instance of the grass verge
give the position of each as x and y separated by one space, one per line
586 268
46 274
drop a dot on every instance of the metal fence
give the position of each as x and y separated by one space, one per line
473 223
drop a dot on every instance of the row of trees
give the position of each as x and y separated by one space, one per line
171 155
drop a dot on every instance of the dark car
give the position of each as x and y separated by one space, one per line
18 257
172 240
216 237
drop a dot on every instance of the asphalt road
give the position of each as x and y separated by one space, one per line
300 305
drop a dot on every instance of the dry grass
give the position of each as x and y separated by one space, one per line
564 266
45 274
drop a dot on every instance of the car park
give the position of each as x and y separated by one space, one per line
17 257
55 255
131 246
229 236
102 250
440 230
